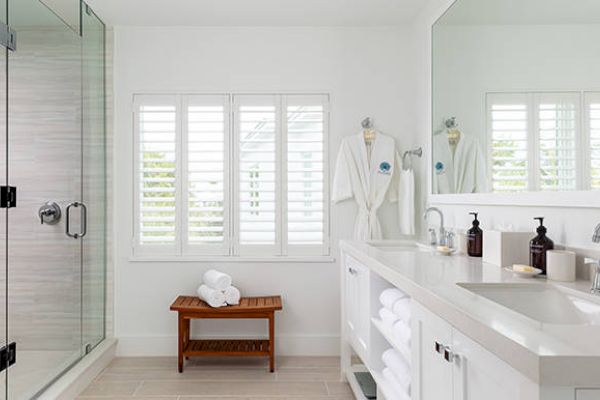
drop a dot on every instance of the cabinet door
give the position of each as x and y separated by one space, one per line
479 374
363 319
357 304
432 374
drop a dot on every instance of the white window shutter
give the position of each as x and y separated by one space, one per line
509 134
206 159
558 116
592 112
157 137
306 123
257 176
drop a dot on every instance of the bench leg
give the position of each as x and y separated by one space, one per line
272 342
181 334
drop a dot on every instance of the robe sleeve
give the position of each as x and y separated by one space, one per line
393 190
342 182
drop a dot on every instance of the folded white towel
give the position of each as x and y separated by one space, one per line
401 332
216 280
213 297
402 310
232 296
406 202
399 391
387 317
398 365
389 296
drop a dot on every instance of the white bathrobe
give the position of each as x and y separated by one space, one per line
464 171
366 182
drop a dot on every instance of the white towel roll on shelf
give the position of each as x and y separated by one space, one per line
389 296
216 280
213 297
401 332
399 390
398 365
402 309
387 317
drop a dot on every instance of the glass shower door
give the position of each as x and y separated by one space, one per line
44 163
3 211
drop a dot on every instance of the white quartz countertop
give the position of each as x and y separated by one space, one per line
548 354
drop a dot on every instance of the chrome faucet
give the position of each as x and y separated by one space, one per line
442 237
596 279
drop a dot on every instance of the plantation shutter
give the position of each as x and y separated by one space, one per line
306 125
509 132
257 142
558 118
206 196
592 107
156 120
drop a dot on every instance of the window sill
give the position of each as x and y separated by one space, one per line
234 259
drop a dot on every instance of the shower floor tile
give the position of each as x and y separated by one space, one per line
156 378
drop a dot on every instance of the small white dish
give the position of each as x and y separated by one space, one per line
523 274
448 252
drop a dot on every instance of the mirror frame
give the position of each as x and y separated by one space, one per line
571 199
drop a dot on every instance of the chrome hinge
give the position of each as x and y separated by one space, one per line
8 356
8 196
8 37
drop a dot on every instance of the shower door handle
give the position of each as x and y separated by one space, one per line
83 232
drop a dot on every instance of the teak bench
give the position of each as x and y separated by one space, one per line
190 307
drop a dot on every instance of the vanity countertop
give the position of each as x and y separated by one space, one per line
547 353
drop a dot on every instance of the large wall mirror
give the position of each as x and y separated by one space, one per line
516 97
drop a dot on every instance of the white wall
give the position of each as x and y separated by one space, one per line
367 71
568 226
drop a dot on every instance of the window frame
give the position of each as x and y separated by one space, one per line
233 251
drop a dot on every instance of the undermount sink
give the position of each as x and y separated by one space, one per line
394 246
545 303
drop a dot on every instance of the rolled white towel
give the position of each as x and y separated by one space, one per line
213 297
388 297
401 391
232 296
401 332
387 317
402 309
396 363
216 280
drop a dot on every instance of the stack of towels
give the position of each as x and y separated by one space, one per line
395 316
217 289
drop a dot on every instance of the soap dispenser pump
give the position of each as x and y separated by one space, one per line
475 238
538 246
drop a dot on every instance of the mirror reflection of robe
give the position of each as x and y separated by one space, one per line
460 171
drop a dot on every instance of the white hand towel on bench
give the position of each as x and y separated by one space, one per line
232 296
216 280
213 297
389 296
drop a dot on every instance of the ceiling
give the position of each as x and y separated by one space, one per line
256 12
522 12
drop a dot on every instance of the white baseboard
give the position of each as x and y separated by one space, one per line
286 345
71 384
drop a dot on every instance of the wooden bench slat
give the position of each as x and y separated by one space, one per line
247 304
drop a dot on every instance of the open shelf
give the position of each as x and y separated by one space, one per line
358 394
234 348
382 388
387 334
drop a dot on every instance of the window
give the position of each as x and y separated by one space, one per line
536 141
592 107
231 175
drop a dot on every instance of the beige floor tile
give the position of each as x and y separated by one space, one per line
338 389
233 388
113 389
133 398
308 362
246 374
307 374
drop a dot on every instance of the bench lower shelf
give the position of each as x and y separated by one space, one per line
222 347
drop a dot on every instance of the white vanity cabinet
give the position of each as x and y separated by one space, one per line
450 366
356 307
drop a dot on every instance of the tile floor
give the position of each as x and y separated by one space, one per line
156 378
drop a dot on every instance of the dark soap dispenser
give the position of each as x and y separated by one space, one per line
475 239
538 246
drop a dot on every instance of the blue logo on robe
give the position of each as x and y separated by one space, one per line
439 167
385 167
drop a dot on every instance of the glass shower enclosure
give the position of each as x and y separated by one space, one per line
53 193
